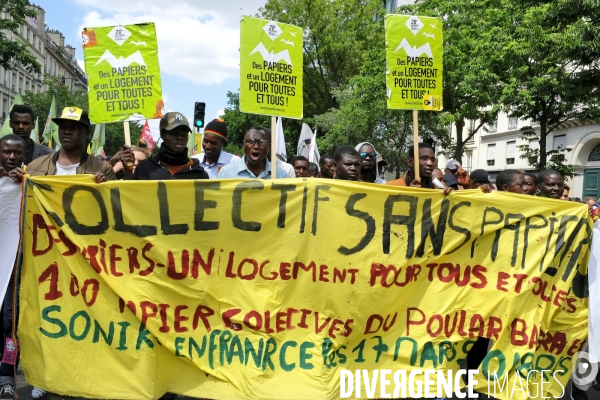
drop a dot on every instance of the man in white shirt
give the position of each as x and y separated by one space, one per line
213 157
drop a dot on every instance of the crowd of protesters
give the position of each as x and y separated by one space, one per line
19 154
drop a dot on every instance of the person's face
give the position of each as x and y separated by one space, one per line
565 195
348 167
530 185
552 186
176 139
328 168
301 168
591 202
437 173
211 144
139 156
426 162
256 146
517 185
72 134
21 124
12 154
368 158
313 171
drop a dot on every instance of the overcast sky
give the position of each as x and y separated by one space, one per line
198 42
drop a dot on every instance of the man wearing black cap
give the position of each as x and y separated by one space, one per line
479 177
450 181
72 158
213 158
172 161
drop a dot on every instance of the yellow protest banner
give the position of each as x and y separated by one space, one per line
272 289
270 68
414 56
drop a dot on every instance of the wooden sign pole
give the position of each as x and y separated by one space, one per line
416 145
127 134
273 147
127 137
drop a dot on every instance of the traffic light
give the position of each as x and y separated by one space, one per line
199 109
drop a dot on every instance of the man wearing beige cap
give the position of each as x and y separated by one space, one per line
172 161
72 159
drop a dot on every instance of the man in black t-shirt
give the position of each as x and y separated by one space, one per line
21 120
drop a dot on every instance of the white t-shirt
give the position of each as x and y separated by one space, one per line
68 170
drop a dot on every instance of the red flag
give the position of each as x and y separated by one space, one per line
147 136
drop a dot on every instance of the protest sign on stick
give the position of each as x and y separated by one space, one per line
124 73
414 56
271 72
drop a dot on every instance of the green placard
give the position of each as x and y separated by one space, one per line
123 72
270 68
414 55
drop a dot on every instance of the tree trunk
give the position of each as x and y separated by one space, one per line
543 134
460 125
398 158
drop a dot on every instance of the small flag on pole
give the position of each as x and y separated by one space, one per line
147 136
6 129
51 129
280 151
35 133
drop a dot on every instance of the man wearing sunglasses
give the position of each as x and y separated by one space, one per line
254 164
368 164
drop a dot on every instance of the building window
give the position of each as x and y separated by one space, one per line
560 142
471 125
513 123
493 128
390 6
595 154
510 152
491 154
469 161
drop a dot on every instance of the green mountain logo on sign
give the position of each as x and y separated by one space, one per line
124 74
270 68
414 56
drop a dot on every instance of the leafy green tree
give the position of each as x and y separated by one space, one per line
238 123
41 102
549 63
363 116
336 33
556 158
13 52
471 86
115 136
